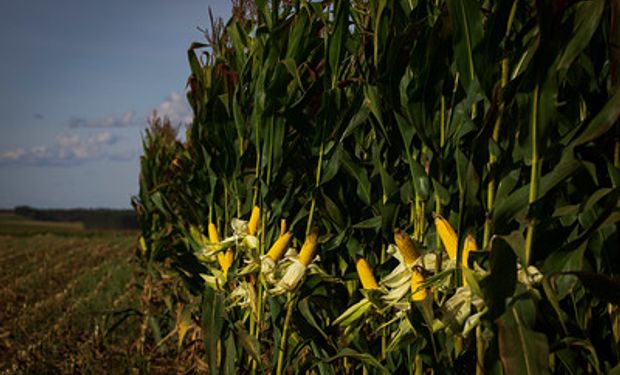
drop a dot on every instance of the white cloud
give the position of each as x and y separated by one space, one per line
176 108
68 149
74 149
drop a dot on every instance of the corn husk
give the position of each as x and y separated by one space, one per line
292 278
225 259
353 313
243 296
294 266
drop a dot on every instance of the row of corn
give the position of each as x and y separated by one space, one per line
421 277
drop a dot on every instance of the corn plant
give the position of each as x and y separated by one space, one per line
392 187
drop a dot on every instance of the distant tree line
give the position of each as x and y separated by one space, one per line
98 218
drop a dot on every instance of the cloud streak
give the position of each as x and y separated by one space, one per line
128 119
67 150
174 106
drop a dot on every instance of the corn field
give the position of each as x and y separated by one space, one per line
412 186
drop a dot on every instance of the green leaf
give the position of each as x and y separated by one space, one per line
212 324
507 185
586 20
467 23
561 261
555 303
468 179
338 38
299 31
501 282
362 357
332 165
602 122
506 210
229 356
293 71
358 119
332 211
249 343
374 102
420 180
304 309
372 223
517 244
388 184
194 64
601 286
406 131
359 173
522 350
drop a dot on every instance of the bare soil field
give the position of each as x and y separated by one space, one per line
70 299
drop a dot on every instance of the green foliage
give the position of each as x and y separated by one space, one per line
363 117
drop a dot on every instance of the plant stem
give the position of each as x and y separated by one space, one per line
442 142
418 365
283 338
270 131
496 131
442 123
258 162
493 158
226 214
416 227
534 176
614 53
319 167
259 309
479 351
259 280
385 329
237 199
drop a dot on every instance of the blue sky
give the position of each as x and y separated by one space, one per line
77 82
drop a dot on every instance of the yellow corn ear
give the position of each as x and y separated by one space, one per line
406 246
278 248
417 279
470 244
447 235
254 220
365 274
309 247
282 227
225 260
